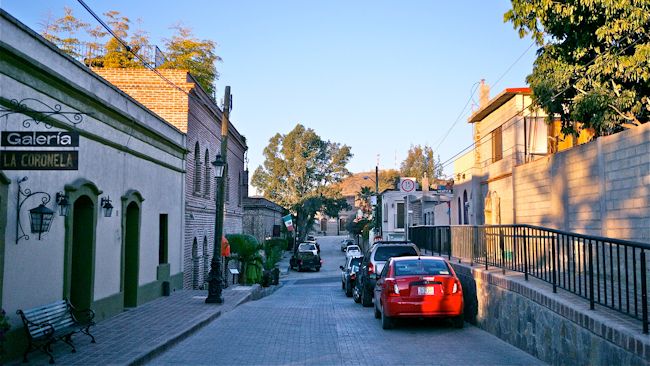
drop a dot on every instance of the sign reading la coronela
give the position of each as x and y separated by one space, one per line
39 159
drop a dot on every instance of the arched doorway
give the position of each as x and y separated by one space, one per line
460 212
195 264
81 260
465 209
131 255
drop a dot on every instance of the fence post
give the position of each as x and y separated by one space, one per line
644 292
592 299
553 263
502 247
474 244
486 248
526 254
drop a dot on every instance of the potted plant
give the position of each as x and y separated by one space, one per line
246 249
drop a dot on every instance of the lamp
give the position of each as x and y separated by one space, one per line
64 205
219 166
40 219
106 206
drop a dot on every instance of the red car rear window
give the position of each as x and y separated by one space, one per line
425 267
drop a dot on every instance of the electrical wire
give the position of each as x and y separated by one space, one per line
460 115
513 65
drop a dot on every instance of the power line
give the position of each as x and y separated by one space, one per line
513 64
460 115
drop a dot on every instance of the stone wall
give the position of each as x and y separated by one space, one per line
556 330
599 188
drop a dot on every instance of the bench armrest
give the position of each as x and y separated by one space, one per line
48 329
81 316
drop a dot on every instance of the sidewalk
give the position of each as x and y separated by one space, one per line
136 336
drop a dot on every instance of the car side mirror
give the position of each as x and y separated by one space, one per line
341 267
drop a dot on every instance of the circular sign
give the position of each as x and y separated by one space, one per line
408 185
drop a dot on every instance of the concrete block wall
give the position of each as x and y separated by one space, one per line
599 188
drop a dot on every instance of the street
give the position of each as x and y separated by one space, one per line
311 321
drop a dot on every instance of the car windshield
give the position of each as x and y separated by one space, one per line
417 267
385 252
305 247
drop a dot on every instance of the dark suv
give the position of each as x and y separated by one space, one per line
373 263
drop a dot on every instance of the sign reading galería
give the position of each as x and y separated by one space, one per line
39 160
39 138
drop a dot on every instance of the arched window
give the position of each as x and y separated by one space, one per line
465 208
206 259
206 187
197 168
460 212
195 264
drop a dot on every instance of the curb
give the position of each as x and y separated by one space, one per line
257 292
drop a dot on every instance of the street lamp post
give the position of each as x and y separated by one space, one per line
215 278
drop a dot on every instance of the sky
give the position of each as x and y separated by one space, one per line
378 75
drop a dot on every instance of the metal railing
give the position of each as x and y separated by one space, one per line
606 271
91 54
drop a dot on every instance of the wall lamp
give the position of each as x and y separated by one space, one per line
40 217
106 206
64 205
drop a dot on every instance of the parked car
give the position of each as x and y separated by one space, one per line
349 273
345 243
416 287
306 257
373 263
311 238
353 251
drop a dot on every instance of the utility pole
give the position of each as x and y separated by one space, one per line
215 278
377 220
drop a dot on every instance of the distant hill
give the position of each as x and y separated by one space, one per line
352 184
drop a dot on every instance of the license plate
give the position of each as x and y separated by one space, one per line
426 290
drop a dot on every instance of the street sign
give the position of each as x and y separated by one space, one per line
407 184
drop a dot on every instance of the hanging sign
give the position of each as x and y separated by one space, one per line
39 138
39 160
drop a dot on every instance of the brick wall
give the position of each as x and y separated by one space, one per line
599 188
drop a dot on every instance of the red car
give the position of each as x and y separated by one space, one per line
418 287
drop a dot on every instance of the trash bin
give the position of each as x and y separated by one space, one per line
166 291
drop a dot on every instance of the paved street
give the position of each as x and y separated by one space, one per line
310 321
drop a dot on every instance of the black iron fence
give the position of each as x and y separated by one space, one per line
608 272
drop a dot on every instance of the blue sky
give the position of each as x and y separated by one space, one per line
376 75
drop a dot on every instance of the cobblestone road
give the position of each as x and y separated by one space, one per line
311 321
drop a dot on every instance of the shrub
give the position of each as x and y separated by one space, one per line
246 249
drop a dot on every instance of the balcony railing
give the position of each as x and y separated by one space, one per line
608 272
91 54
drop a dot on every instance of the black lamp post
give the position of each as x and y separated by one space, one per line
215 277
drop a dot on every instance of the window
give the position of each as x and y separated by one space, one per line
323 225
460 212
206 189
385 213
399 219
163 239
386 252
497 146
421 267
465 209
197 168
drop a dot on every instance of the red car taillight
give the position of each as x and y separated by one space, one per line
353 276
371 268
392 289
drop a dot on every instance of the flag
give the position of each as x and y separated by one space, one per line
288 222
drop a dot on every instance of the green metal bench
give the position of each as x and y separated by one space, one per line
58 321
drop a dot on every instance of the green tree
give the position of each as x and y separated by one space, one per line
299 172
364 196
388 179
419 161
116 54
592 65
184 51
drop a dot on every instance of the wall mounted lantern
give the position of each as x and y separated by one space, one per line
106 206
40 217
64 204
219 166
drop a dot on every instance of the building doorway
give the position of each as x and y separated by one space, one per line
81 263
131 255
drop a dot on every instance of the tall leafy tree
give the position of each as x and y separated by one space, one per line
420 160
299 171
593 62
184 51
63 31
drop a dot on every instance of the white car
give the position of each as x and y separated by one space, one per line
353 251
308 247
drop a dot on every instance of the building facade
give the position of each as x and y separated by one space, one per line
195 113
262 218
72 140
